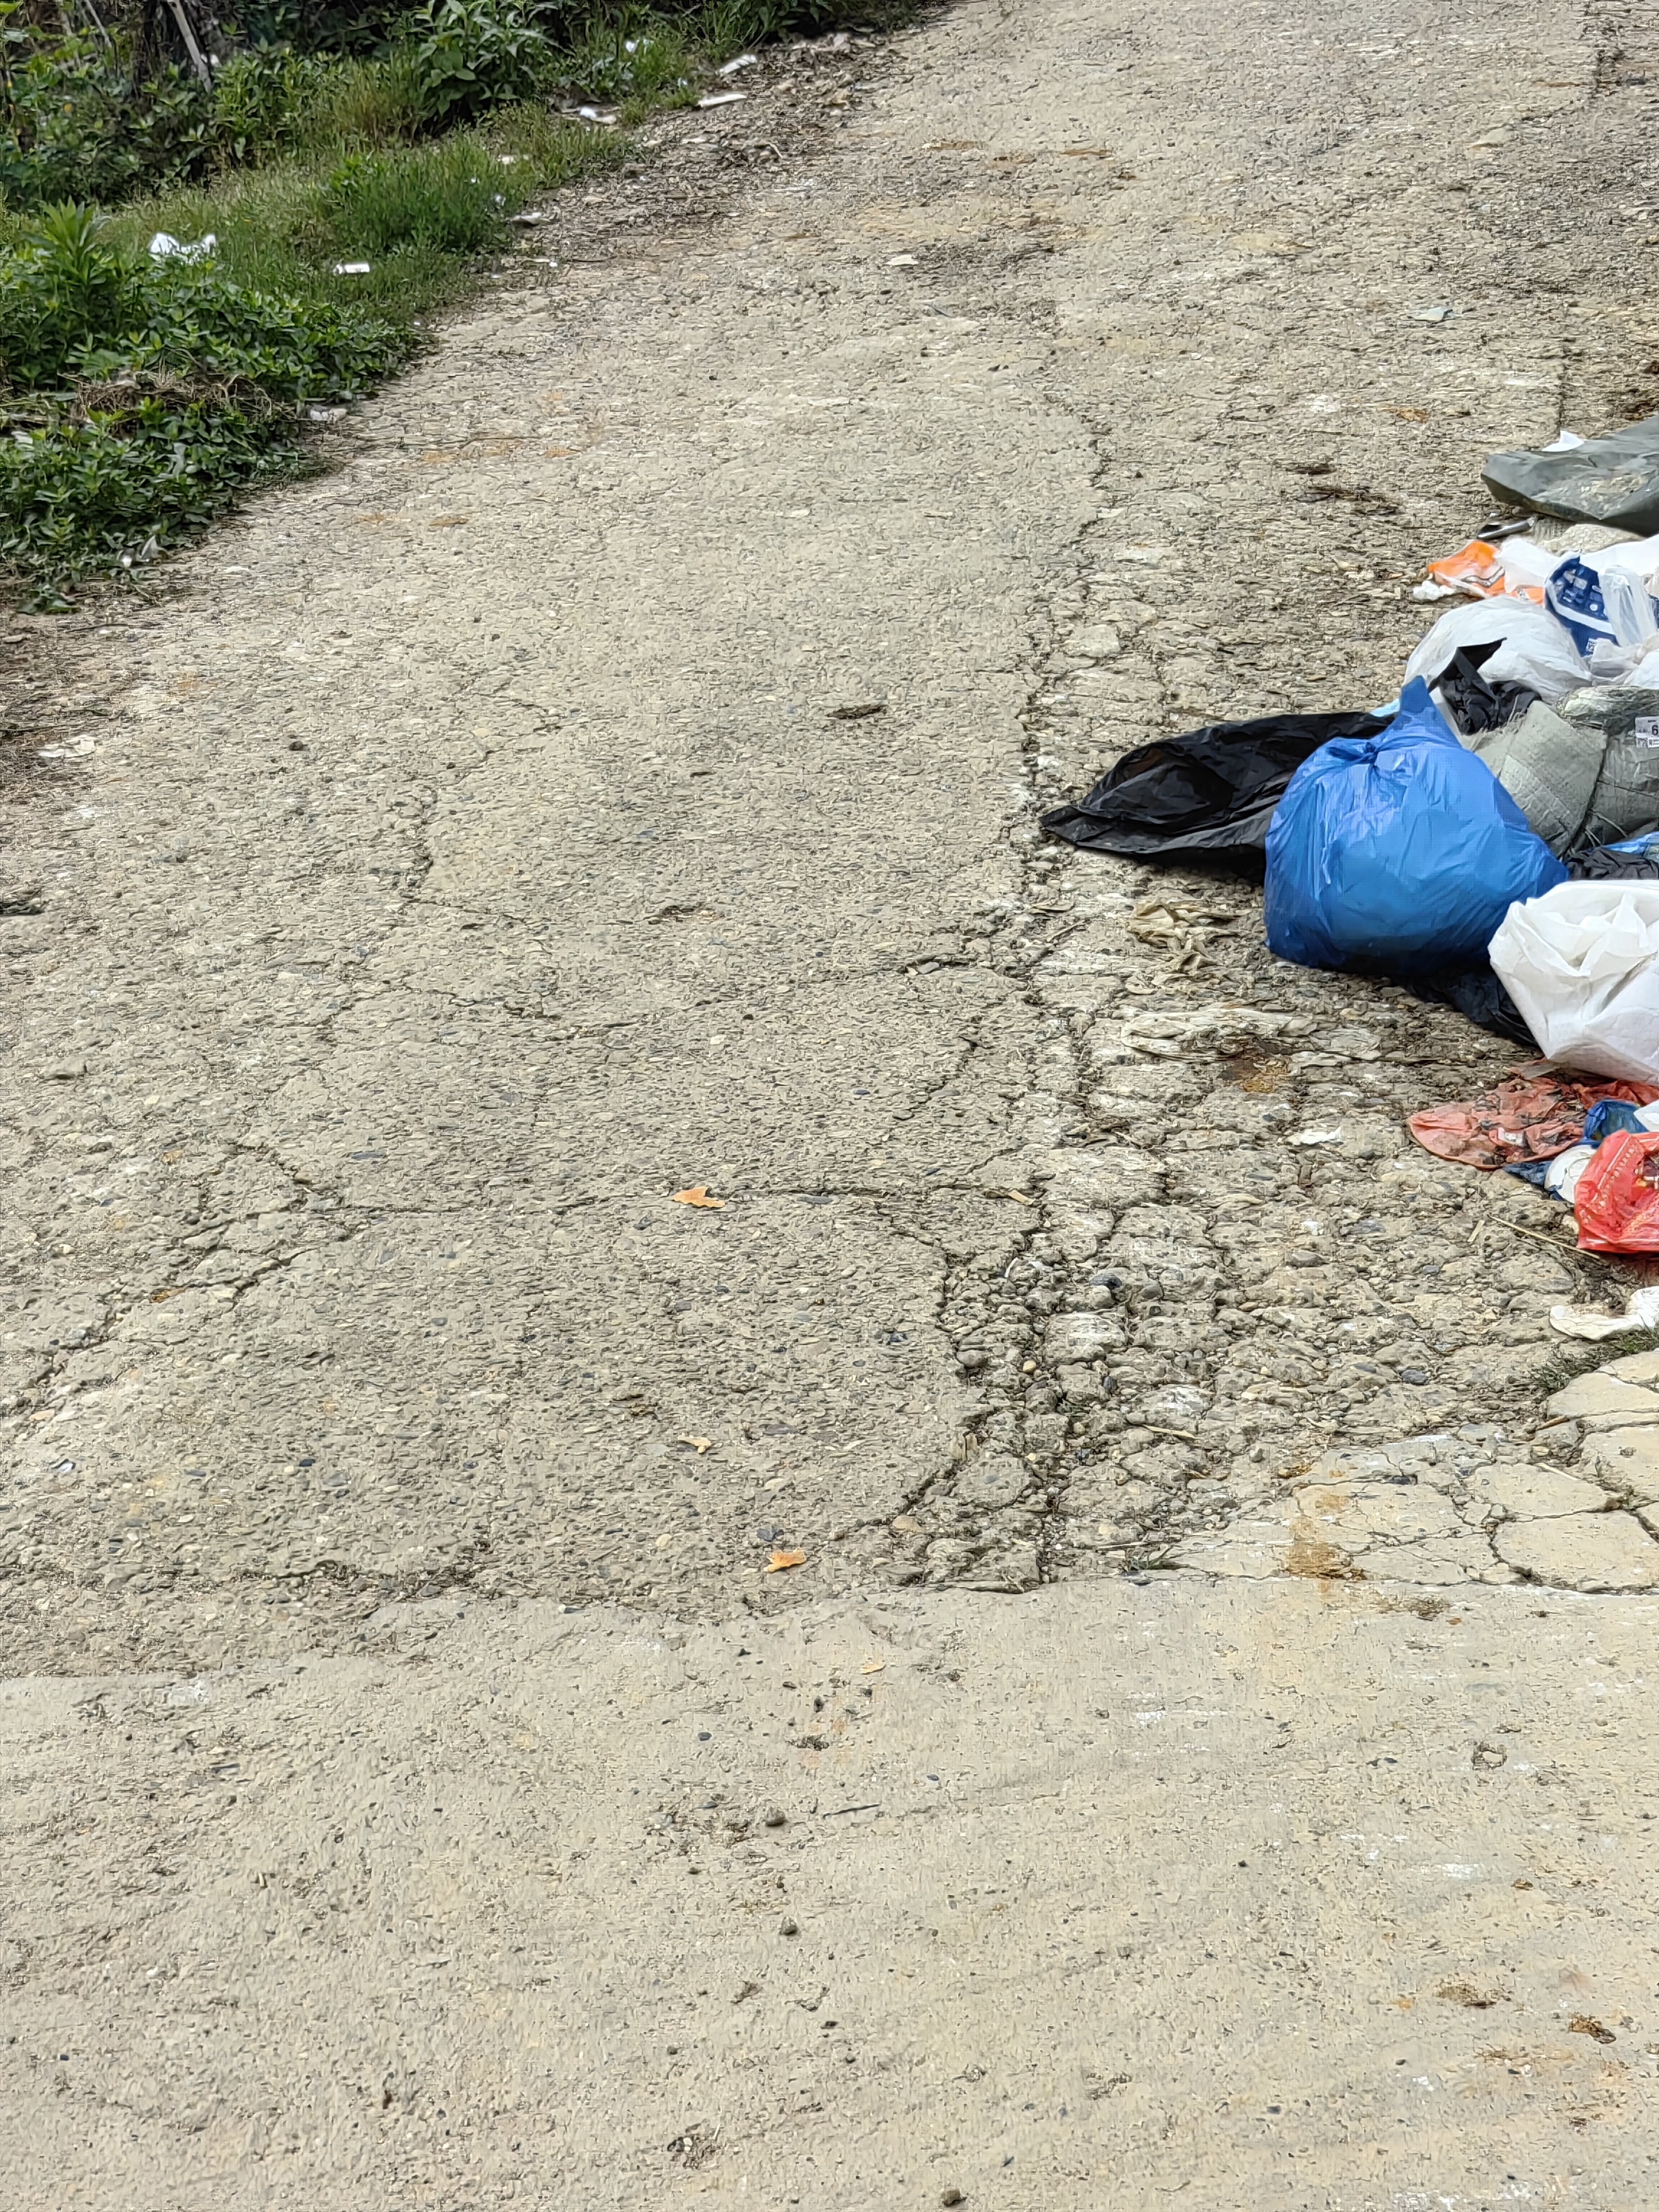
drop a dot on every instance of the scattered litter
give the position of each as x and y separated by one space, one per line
351 268
600 115
1470 702
1641 1312
1634 860
1432 314
1613 479
699 1444
1399 851
1483 569
1018 1196
1582 962
1532 1114
1441 840
1624 721
1550 767
1599 606
720 98
779 1560
1180 928
164 247
697 1194
874 1666
1558 1178
1470 987
738 62
1617 1200
1315 1137
324 414
526 218
1532 647
1211 791
901 261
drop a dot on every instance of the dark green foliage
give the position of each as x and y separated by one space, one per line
470 55
72 122
144 394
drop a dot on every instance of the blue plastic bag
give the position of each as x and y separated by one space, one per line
1398 852
1614 609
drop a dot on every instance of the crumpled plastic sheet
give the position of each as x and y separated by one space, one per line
1532 1114
1641 1312
1208 794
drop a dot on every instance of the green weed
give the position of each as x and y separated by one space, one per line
144 394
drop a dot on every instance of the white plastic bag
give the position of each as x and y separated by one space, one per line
1532 648
1639 554
1526 565
164 247
1582 962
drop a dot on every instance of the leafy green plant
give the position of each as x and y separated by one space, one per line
469 55
260 101
144 394
60 292
72 120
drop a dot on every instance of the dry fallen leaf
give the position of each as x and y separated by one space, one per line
874 1666
698 1445
698 1196
785 1560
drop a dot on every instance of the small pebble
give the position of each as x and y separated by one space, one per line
951 2196
788 1927
776 1818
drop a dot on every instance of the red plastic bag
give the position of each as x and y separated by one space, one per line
1617 1200
1534 1114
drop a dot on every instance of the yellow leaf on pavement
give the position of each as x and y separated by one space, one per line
698 1196
785 1560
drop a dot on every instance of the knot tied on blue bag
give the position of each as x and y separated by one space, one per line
1398 852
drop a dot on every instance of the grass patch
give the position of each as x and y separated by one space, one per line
1584 1357
138 396
143 395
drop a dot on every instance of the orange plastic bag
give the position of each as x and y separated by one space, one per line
1617 1200
1478 568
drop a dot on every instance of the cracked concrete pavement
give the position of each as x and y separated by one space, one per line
482 844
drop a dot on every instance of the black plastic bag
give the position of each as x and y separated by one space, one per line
1615 480
1210 795
1473 704
1474 992
1636 860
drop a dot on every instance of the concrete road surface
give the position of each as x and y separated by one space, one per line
550 1066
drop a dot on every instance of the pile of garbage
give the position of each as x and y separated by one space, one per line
1490 838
